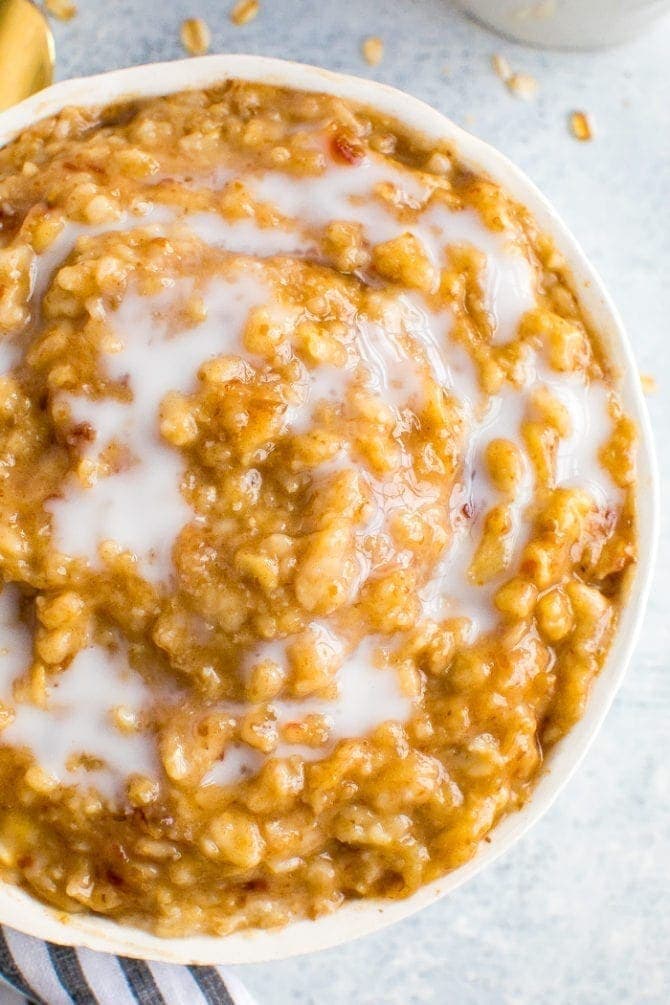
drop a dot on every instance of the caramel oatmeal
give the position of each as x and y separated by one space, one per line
315 514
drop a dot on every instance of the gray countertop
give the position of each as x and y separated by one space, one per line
577 911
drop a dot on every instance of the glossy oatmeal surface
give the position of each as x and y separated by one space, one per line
316 508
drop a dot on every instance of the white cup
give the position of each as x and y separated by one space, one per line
567 24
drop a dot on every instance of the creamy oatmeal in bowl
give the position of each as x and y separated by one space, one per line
322 505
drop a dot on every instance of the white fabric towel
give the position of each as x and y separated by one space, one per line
48 974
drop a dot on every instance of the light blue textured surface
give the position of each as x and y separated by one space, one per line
578 912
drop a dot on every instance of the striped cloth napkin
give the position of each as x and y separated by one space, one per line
48 974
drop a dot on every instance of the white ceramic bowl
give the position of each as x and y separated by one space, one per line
22 911
568 24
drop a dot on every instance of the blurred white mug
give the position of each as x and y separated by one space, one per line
569 24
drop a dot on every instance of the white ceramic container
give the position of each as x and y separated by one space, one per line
22 911
567 24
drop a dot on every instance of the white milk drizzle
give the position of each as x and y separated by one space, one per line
344 193
142 509
77 720
367 696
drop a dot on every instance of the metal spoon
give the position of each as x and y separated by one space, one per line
26 51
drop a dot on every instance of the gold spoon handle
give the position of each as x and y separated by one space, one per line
26 51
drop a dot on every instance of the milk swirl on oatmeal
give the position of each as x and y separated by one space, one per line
142 509
317 508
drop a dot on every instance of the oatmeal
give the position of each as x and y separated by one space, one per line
316 508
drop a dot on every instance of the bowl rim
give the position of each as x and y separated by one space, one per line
21 910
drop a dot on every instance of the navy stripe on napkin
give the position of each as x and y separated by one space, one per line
47 974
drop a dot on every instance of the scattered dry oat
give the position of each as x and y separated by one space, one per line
649 385
244 11
373 50
195 36
522 85
581 125
446 70
501 67
64 10
469 120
